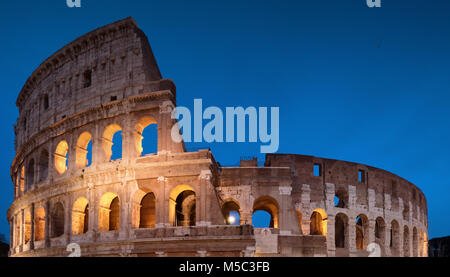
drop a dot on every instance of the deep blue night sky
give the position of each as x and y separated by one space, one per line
352 83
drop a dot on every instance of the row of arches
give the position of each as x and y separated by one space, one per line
182 212
318 225
111 146
341 200
265 212
182 209
393 241
111 142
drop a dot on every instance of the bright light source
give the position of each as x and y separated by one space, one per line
231 219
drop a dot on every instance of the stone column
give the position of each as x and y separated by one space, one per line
410 235
36 173
162 217
92 202
22 229
371 199
52 173
306 195
306 222
47 224
387 202
96 147
158 138
400 238
400 211
15 238
352 235
11 235
246 217
351 197
246 204
410 215
125 208
72 153
202 214
32 227
387 241
285 213
129 151
67 220
98 152
164 130
425 246
16 234
305 210
371 231
129 138
330 192
331 246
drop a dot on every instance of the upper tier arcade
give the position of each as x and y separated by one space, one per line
110 63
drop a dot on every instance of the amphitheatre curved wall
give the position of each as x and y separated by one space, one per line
174 202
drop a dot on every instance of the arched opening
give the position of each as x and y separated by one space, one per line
114 222
57 220
43 165
182 206
117 145
185 208
84 150
262 219
406 251
61 156
341 199
362 227
147 217
39 224
341 231
395 238
112 142
27 227
30 174
380 232
146 136
80 216
318 224
230 210
415 242
300 221
109 212
268 205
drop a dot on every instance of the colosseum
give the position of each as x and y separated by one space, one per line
176 202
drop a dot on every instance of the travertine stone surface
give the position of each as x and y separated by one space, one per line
174 202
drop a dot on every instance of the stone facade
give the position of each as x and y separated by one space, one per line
175 202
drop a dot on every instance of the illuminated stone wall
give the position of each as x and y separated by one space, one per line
174 202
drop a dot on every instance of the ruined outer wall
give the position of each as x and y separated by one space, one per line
107 81
119 60
289 190
378 195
